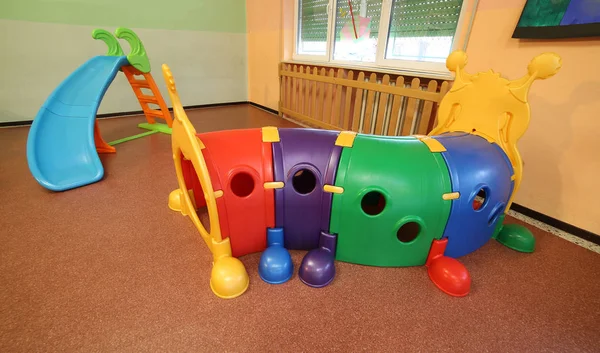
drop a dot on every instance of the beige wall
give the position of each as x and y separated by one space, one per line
263 26
560 147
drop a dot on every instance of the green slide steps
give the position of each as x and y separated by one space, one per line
137 57
398 229
114 48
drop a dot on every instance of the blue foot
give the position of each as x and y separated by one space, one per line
275 266
318 266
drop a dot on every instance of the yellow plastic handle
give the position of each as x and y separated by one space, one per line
229 278
185 144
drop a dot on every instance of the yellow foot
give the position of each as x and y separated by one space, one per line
179 204
175 200
229 278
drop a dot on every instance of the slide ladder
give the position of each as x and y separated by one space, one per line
147 82
141 81
139 77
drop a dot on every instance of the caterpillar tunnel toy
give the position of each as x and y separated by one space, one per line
359 198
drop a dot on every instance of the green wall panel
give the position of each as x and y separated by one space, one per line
198 15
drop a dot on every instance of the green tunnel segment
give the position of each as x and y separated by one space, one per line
392 206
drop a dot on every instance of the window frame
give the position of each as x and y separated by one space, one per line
328 49
427 68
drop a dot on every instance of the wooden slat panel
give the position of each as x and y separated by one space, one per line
293 105
281 89
427 107
410 109
321 96
337 102
305 93
383 101
288 100
395 109
309 86
358 102
295 89
309 121
300 107
328 100
346 113
402 91
366 128
443 90
313 111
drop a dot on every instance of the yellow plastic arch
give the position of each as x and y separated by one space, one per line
490 106
229 278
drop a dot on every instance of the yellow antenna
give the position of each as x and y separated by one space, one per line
490 106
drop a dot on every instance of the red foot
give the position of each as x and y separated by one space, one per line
447 273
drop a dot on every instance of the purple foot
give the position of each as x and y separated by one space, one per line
318 266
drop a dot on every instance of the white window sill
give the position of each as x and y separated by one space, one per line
384 70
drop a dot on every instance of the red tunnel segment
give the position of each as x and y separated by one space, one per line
239 164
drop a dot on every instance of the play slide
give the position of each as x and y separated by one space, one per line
64 156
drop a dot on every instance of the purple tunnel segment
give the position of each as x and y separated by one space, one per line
304 160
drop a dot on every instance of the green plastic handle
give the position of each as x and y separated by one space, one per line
114 48
137 57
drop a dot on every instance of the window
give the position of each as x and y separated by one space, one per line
413 35
312 19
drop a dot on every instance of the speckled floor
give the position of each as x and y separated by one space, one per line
559 233
108 267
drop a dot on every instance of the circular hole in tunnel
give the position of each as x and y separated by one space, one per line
408 232
304 181
480 199
496 212
242 184
373 203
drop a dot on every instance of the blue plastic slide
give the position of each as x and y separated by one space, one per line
60 148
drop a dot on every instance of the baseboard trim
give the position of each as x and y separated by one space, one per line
15 123
558 224
272 111
128 113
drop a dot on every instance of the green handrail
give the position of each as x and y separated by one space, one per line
137 57
114 48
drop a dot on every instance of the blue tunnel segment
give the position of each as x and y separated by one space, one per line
481 173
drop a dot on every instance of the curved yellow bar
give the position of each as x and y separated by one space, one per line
229 278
